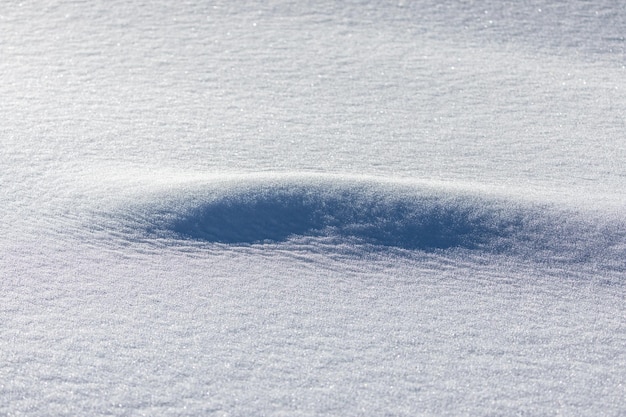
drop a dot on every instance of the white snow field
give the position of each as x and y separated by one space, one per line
312 208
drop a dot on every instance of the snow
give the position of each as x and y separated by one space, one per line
312 208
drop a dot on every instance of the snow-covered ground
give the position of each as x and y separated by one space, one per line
321 208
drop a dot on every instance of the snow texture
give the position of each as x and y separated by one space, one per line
312 208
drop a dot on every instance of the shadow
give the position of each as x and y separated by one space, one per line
277 215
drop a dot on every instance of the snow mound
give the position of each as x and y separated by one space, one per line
381 214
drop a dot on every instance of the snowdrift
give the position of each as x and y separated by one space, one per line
377 214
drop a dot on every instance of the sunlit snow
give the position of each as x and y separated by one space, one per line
312 208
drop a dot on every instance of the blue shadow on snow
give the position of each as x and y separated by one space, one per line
276 216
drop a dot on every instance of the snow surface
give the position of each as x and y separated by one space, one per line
312 208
